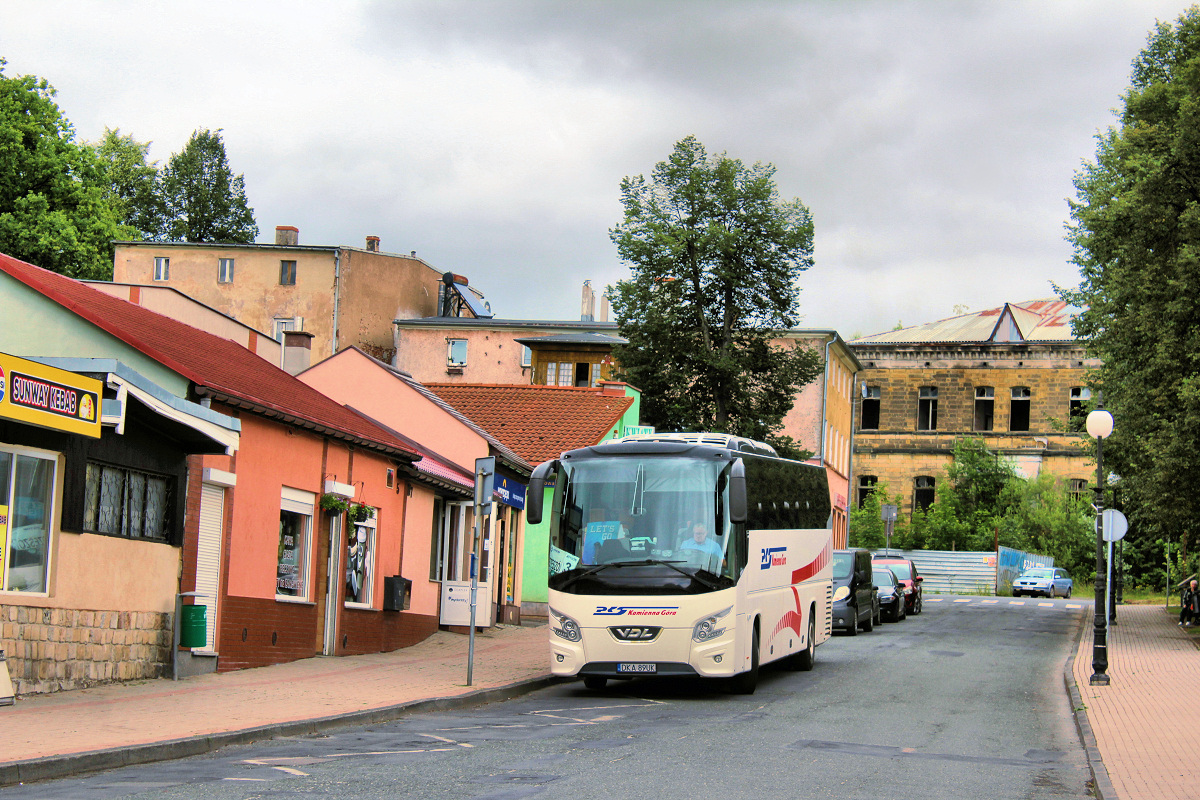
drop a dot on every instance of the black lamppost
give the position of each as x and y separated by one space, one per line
1099 426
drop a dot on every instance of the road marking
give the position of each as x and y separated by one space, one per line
1016 602
1074 605
264 780
962 600
291 771
989 602
934 600
1046 605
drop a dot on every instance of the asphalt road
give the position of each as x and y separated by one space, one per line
964 701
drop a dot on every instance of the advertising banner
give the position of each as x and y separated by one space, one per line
49 397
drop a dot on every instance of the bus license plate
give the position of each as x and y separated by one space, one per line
637 667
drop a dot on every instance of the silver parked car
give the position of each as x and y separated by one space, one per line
1049 581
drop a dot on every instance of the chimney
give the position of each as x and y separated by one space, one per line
587 311
614 388
287 236
297 351
603 308
372 244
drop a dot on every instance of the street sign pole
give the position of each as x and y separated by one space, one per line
887 513
485 482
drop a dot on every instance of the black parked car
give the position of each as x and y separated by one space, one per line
891 593
854 599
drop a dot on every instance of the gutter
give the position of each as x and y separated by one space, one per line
337 296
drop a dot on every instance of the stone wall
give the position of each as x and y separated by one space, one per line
52 649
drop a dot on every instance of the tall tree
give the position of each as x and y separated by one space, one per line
204 201
52 207
130 182
715 256
1136 237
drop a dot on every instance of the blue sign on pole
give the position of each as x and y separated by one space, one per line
510 492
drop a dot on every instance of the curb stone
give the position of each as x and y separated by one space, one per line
1101 784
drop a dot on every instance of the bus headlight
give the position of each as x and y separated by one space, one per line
841 594
564 627
707 629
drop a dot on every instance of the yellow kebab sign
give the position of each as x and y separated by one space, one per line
49 397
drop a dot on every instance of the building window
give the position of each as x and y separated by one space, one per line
1018 414
927 408
127 502
566 373
287 273
162 268
866 487
287 324
1078 490
870 408
526 356
360 564
922 492
27 481
985 408
456 352
595 374
295 533
1078 408
224 270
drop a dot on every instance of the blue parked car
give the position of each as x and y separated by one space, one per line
1049 581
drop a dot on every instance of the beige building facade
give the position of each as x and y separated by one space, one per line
343 296
1013 377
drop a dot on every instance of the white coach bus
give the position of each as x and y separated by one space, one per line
684 554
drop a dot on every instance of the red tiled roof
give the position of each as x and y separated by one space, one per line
218 367
537 422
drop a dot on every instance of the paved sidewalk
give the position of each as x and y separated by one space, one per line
1146 722
45 736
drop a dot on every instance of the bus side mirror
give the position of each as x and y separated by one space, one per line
737 491
537 490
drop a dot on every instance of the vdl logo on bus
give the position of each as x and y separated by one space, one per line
773 557
637 611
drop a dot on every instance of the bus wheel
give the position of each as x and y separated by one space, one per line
595 682
808 656
747 682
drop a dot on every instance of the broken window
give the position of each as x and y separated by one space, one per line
985 406
927 409
1078 414
870 408
1018 412
1078 489
866 487
922 492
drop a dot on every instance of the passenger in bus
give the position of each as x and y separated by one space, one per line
700 541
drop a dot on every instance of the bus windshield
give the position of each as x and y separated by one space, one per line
631 511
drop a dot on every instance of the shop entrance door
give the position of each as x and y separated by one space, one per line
458 543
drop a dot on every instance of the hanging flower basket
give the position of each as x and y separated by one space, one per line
360 512
334 504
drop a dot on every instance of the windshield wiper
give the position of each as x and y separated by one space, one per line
586 573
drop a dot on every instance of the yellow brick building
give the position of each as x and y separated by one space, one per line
1013 376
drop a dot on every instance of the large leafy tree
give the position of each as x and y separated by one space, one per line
1136 237
715 256
203 200
131 182
53 211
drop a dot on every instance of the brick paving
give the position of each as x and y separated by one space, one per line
1146 722
118 717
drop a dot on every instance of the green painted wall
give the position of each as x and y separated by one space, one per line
36 326
534 588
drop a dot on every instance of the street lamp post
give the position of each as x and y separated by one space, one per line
1099 426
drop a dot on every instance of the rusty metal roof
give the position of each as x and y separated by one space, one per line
1045 320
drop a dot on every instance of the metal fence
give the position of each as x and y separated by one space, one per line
958 572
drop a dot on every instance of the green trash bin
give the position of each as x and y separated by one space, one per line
193 626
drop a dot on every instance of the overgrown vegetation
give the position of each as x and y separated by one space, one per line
981 503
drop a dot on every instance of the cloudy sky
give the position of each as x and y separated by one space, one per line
933 140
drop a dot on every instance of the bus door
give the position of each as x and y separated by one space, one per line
458 544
